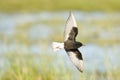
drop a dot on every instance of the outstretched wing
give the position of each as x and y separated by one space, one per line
76 58
71 29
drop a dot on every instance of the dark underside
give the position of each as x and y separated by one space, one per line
71 45
75 51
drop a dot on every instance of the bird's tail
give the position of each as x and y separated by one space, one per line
57 46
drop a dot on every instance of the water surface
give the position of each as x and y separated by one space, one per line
43 28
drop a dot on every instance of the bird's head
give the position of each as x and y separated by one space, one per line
79 44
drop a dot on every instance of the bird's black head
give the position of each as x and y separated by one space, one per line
79 44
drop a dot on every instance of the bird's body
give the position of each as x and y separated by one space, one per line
70 44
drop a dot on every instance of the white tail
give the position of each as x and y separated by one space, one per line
57 46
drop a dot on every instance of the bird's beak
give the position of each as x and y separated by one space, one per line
83 45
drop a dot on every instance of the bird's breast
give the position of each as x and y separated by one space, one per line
69 45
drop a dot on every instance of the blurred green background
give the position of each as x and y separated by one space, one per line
28 28
58 5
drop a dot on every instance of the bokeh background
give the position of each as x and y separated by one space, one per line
28 28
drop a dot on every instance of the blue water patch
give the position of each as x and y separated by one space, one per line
95 57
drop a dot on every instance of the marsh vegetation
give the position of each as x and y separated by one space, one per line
26 53
26 38
57 5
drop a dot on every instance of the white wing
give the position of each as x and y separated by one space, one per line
71 22
76 58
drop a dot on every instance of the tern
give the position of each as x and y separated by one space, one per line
70 44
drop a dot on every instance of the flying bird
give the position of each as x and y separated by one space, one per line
70 44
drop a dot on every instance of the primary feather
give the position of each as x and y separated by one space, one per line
76 58
71 22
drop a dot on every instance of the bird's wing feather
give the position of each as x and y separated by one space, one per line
76 58
71 22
